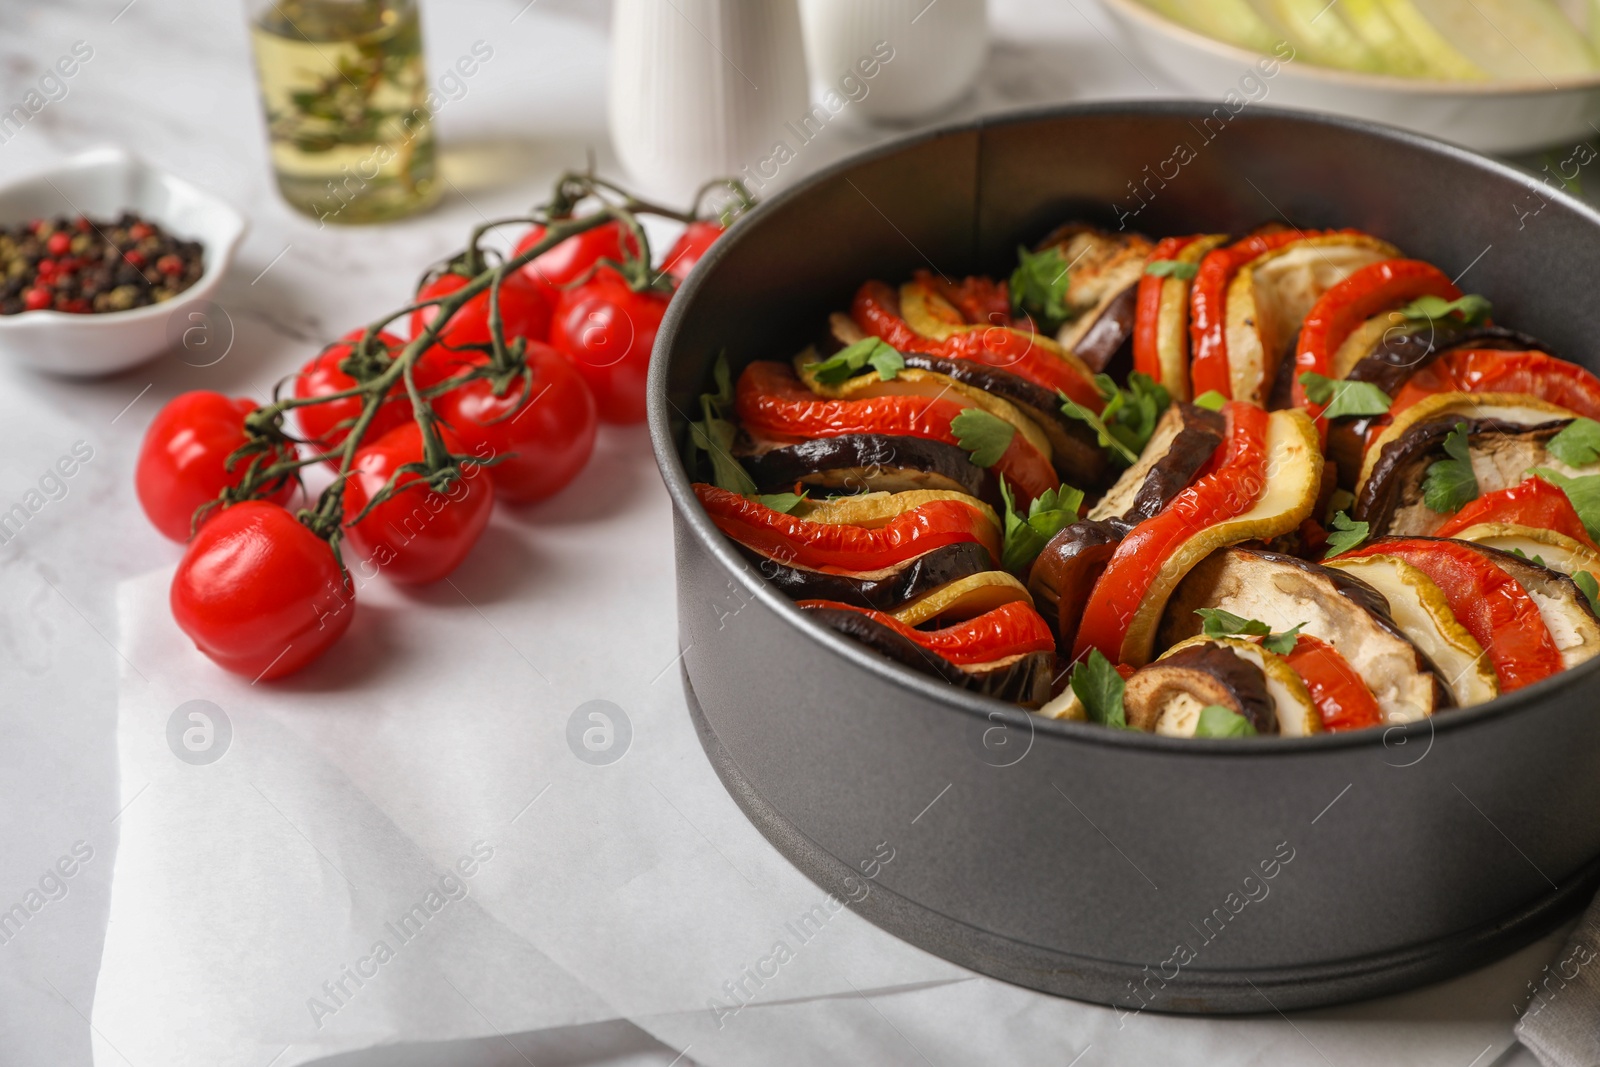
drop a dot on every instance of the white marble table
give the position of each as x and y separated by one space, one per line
171 80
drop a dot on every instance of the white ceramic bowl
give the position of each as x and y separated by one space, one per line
105 183
1494 116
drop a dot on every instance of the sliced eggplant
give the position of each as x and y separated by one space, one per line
1287 500
1167 696
1270 297
1294 714
1063 576
1547 547
1184 439
1284 592
1105 269
1172 318
855 463
1420 609
883 590
1387 353
1511 409
1023 679
964 598
1562 605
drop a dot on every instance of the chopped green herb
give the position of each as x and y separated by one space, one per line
784 502
1344 397
1219 623
1026 535
1098 688
1450 483
714 434
1131 414
1039 287
1591 589
1578 444
1073 410
1211 400
1172 268
984 435
1584 493
849 361
1283 643
1345 534
1218 721
1472 309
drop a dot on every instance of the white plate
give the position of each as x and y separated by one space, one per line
1493 116
104 183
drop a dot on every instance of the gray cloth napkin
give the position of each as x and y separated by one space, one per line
1561 1023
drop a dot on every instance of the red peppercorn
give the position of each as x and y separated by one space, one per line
47 269
139 231
134 256
83 224
37 299
169 264
35 225
59 244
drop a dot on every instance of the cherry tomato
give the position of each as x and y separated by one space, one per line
259 593
548 437
321 423
417 535
524 312
564 264
607 330
183 461
695 241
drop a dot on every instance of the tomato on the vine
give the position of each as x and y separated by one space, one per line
607 330
554 270
327 423
418 534
696 239
260 593
524 312
547 437
183 460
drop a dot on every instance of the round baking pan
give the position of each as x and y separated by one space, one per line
1147 872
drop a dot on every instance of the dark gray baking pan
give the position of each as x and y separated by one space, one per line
1126 868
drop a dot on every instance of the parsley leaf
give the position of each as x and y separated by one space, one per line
1219 623
784 502
1344 397
1283 643
1124 426
714 434
1026 535
1039 287
1345 535
1218 721
1578 444
1098 688
1172 268
1211 400
849 361
1591 589
1583 492
984 435
1450 483
1472 309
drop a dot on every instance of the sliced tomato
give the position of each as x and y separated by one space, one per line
1374 288
1488 370
1343 700
1228 490
772 402
1492 605
1147 313
1013 629
1535 502
842 548
1017 351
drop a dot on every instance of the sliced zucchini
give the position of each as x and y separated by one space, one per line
1554 550
1172 318
964 598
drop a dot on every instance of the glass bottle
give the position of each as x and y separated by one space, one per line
344 88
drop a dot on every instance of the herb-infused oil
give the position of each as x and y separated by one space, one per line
343 84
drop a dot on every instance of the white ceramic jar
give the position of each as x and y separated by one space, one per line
701 89
935 50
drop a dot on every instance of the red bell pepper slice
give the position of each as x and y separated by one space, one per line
981 301
1012 629
1374 288
1208 299
1147 308
1535 503
995 346
1228 490
1492 605
1489 370
773 402
841 548
1343 700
